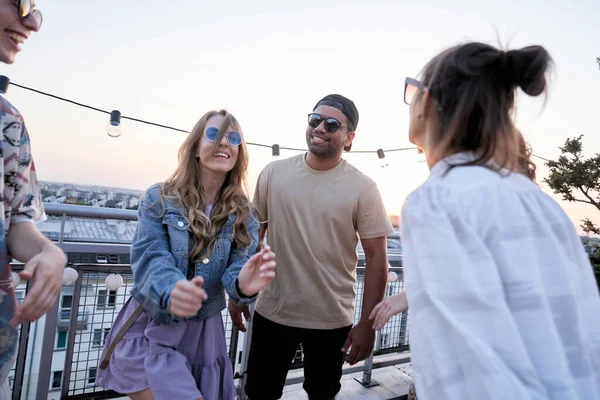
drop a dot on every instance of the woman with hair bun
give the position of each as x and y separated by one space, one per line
504 304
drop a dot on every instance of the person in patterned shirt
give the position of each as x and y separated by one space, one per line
21 205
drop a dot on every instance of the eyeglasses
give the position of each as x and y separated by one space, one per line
234 138
331 124
27 8
411 88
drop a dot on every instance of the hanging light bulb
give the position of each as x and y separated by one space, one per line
114 126
382 161
4 81
275 150
113 282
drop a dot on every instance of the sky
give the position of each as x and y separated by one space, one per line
268 62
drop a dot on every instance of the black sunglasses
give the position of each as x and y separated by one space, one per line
411 88
331 124
27 8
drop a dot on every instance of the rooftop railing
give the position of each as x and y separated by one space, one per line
58 355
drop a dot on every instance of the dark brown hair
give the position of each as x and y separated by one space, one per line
526 166
473 86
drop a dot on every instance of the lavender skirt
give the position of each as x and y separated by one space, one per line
187 361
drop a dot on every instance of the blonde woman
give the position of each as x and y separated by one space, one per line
196 236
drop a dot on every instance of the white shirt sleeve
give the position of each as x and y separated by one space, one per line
464 341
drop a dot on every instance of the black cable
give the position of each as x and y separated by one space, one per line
184 131
171 127
60 98
541 158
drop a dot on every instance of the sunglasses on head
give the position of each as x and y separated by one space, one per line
27 9
411 88
233 138
331 124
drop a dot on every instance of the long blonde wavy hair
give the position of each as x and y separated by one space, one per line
185 188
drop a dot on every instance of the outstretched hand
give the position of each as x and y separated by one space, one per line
258 272
46 270
389 307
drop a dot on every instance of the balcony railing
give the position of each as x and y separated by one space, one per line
59 354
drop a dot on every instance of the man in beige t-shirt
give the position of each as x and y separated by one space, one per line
315 206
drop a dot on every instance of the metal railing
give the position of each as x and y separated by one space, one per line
67 352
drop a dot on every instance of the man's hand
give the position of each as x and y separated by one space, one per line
236 315
187 298
46 269
360 339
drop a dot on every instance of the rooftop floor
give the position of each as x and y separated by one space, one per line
393 383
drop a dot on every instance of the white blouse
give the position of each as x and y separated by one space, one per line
504 304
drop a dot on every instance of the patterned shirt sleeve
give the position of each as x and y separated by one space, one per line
27 201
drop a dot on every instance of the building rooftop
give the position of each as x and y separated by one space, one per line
89 230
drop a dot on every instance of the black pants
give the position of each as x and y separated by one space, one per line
272 350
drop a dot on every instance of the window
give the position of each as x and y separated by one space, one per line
100 336
92 376
61 340
67 302
20 295
107 300
56 379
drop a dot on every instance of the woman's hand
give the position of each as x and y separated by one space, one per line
257 273
187 298
388 308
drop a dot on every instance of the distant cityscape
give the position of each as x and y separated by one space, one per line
93 196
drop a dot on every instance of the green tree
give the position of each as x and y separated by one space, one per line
112 203
577 179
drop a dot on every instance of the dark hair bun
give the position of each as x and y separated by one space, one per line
527 68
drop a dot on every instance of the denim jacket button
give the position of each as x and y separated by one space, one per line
180 224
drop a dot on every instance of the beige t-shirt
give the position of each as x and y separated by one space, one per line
313 220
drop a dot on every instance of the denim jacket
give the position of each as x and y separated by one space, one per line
159 258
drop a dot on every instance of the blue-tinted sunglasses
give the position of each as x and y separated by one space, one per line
234 138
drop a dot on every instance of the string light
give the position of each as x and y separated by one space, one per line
171 127
382 161
4 82
113 129
275 150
